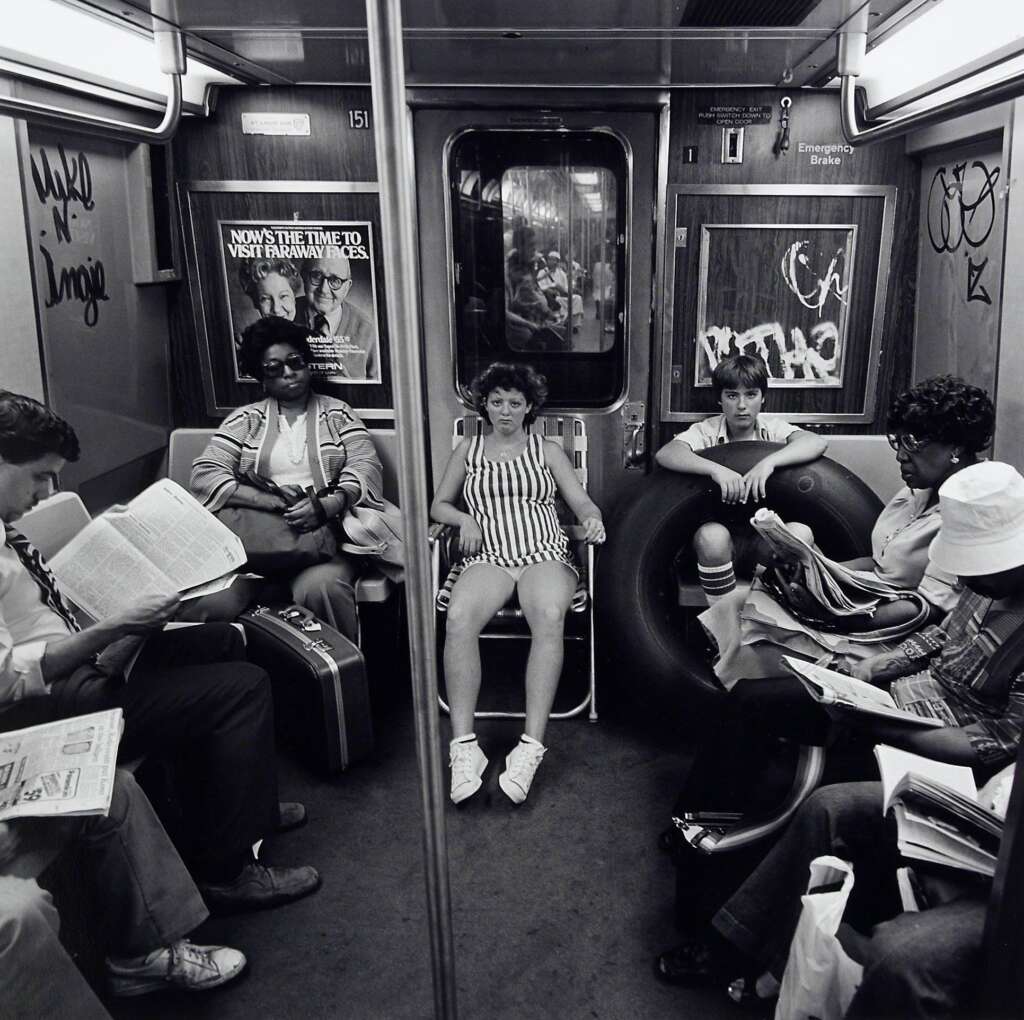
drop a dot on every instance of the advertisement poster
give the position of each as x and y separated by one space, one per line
319 274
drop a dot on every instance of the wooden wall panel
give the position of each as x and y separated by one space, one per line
216 149
814 126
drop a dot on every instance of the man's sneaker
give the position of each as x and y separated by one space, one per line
181 965
467 763
520 766
258 887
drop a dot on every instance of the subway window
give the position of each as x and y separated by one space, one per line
538 223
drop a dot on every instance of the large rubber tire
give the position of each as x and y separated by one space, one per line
655 671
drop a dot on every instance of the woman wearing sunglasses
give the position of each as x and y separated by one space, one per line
936 428
296 439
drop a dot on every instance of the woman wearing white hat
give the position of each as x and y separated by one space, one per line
947 670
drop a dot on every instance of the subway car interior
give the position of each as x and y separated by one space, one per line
421 190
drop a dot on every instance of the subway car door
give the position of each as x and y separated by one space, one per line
537 244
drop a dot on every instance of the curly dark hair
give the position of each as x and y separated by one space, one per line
252 271
503 375
29 430
266 332
945 409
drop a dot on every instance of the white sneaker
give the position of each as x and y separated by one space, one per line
520 767
181 965
467 763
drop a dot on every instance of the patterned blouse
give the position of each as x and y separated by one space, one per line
957 683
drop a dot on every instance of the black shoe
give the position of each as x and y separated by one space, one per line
689 965
258 887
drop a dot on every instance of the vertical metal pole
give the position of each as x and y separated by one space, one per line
396 174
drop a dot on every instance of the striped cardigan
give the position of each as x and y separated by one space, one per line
341 453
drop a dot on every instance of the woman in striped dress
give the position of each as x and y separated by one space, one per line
511 540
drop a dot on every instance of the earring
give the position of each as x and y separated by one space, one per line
954 458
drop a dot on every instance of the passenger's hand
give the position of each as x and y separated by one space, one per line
271 502
593 531
731 483
10 841
865 669
292 494
150 612
755 480
302 516
471 538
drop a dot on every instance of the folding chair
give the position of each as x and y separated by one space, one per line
509 622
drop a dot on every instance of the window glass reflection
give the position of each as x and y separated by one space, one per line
559 236
538 227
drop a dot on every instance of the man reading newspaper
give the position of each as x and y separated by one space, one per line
192 697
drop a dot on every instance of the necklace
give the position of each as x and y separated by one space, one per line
295 437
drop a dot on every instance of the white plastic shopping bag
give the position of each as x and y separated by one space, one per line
820 978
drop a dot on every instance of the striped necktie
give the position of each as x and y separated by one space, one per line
41 574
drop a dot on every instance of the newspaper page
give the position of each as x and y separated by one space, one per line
894 764
832 688
60 768
163 542
179 536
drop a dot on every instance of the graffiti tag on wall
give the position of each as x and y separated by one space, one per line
63 184
961 215
780 292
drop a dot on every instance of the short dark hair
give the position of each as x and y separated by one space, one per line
504 375
266 332
30 430
741 370
945 409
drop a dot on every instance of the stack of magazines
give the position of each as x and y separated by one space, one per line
60 768
938 816
824 590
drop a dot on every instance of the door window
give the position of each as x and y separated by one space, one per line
538 232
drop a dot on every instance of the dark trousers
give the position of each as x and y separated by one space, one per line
740 764
140 895
193 700
924 964
760 918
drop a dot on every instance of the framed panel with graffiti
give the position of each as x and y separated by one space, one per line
779 290
797 274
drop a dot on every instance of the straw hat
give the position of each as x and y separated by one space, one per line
982 511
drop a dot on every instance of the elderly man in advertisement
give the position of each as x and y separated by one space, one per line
328 314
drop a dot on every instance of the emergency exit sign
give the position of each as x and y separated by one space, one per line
734 115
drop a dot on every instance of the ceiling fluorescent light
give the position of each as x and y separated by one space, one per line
79 42
950 35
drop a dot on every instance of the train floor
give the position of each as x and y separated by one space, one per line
559 905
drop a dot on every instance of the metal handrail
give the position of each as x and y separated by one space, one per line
171 54
396 173
851 47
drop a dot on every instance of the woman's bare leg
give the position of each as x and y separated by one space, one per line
545 591
478 594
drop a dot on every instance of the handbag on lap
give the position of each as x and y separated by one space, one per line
271 544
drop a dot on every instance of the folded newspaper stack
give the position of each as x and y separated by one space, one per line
60 768
836 591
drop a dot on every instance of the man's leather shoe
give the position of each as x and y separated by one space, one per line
691 964
290 815
258 887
